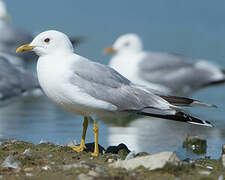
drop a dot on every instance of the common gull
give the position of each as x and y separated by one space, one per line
97 91
168 72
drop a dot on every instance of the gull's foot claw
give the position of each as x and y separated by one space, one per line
78 148
95 154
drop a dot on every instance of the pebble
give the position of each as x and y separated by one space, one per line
27 151
50 156
28 169
209 167
46 168
204 172
10 162
151 162
16 170
29 174
74 165
84 177
221 177
99 170
110 160
93 173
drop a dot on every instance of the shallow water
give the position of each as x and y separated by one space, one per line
193 28
38 120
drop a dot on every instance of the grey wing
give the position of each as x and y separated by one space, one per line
104 83
175 71
11 38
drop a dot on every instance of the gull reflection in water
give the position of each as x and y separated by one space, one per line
154 135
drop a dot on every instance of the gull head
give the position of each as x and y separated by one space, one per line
47 43
4 16
127 42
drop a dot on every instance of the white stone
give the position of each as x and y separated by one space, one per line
84 177
92 173
29 174
74 165
27 152
150 162
46 168
204 172
10 162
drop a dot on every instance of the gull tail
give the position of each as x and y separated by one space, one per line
179 116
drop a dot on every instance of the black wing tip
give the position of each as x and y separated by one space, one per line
204 123
179 116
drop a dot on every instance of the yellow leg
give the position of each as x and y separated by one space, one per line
82 144
95 130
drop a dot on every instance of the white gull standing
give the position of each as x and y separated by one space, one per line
167 72
96 91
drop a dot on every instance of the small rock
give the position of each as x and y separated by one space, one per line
1 176
110 160
195 144
99 170
50 156
10 162
46 168
16 170
209 167
84 177
151 162
92 173
204 172
29 174
116 149
28 169
75 165
27 152
223 160
220 177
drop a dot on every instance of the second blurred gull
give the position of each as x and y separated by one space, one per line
166 72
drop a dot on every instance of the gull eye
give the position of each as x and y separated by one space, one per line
47 40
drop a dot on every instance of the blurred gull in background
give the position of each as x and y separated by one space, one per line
12 37
167 72
14 82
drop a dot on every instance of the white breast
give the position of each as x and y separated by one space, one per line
54 78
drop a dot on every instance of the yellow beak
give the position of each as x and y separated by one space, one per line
25 47
109 50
